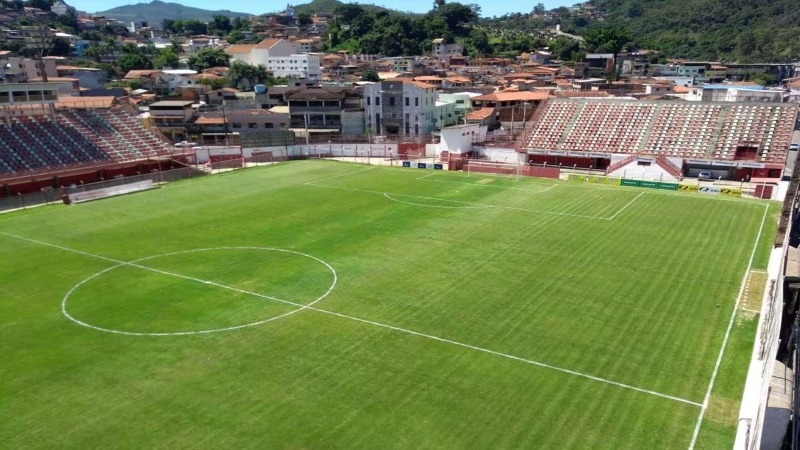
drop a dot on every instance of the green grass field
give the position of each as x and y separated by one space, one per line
329 305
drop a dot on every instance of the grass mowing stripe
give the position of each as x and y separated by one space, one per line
344 316
718 362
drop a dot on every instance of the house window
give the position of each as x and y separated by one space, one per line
368 100
237 125
407 101
391 101
252 125
416 101
377 101
269 125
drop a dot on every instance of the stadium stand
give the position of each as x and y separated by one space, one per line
758 132
74 137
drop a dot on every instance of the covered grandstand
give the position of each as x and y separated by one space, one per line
751 139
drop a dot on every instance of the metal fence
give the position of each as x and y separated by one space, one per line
50 195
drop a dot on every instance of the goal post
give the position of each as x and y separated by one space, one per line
494 168
227 164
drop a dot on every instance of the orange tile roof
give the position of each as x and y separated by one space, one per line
512 96
419 84
240 48
480 114
428 78
681 90
267 43
210 121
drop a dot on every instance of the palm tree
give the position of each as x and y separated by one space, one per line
176 46
245 76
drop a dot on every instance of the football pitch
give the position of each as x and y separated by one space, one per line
319 304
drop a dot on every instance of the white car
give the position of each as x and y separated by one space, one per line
186 144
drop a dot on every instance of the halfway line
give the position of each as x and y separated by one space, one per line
371 322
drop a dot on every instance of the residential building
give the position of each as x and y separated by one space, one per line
326 110
279 56
88 77
401 106
740 93
443 52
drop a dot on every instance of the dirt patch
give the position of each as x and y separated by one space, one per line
724 411
754 289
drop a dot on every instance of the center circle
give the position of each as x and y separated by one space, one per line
205 283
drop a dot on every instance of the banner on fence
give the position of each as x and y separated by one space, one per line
613 181
95 194
687 187
708 190
731 192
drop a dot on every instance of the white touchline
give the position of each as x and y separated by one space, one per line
727 334
626 205
357 319
533 191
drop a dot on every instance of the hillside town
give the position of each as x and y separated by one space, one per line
272 77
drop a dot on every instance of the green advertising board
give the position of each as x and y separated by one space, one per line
636 183
651 184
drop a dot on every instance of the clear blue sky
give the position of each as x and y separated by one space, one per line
489 8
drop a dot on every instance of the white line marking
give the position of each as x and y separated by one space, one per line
626 206
456 201
344 316
426 176
750 310
435 206
727 334
535 191
65 299
342 175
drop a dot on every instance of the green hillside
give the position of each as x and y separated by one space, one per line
156 11
727 30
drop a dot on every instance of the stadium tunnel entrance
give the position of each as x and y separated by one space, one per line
593 163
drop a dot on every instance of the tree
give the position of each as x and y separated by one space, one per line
245 76
168 25
370 75
134 61
235 37
438 4
60 47
539 9
220 24
347 12
304 20
175 46
607 39
166 57
215 83
240 24
209 57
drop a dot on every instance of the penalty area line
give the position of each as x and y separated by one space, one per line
372 322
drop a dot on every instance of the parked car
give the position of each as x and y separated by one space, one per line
186 144
705 176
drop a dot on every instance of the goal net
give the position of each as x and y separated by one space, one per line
493 168
234 163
